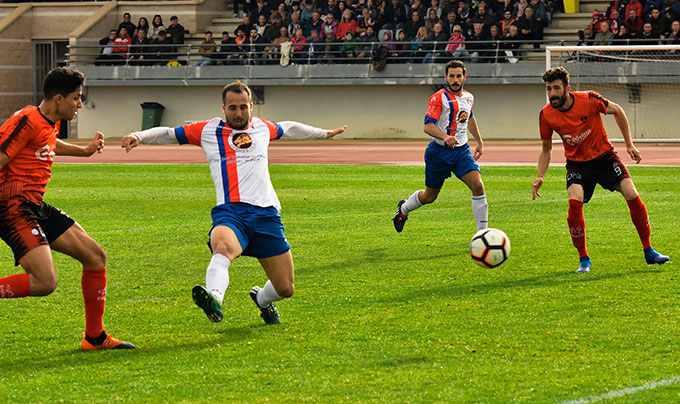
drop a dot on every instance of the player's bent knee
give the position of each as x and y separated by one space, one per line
96 258
286 290
44 286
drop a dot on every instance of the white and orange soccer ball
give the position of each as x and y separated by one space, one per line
490 247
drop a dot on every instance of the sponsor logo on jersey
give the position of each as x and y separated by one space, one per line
574 140
241 140
462 117
44 153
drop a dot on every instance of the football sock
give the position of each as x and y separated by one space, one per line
217 276
267 295
15 286
93 284
638 212
412 203
480 208
577 226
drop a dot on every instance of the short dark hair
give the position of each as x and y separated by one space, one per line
453 64
174 17
556 73
62 80
208 32
237 87
225 32
127 14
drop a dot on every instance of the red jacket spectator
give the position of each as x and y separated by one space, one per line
634 5
347 24
634 23
120 45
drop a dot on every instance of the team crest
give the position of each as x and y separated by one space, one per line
242 140
462 117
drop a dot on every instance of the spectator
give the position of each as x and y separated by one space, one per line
511 44
419 47
529 28
595 21
176 31
261 25
207 51
331 8
434 5
477 48
315 23
127 24
634 23
437 44
274 52
649 37
672 8
250 7
618 5
162 52
295 9
156 27
307 10
274 30
106 56
614 21
463 14
450 23
349 48
121 45
315 47
456 44
395 16
401 49
342 6
142 24
226 53
481 16
660 24
140 53
419 7
605 36
520 6
244 7
623 36
495 52
635 5
246 24
242 48
256 48
540 14
414 24
432 18
295 23
586 36
365 21
261 9
329 28
367 41
347 24
284 13
648 6
674 36
299 46
502 7
506 22
449 6
387 42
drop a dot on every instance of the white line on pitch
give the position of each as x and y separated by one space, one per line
623 392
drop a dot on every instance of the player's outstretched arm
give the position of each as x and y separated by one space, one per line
622 121
96 145
332 132
297 130
159 135
474 130
543 164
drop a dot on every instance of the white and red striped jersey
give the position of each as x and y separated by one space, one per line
238 159
450 113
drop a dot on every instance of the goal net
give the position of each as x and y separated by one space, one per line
644 80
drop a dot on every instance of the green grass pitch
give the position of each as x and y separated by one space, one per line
377 317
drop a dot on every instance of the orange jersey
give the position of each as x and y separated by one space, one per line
29 140
580 127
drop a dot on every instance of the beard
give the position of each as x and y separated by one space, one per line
455 87
239 125
558 102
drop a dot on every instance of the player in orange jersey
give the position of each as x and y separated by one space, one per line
28 144
591 158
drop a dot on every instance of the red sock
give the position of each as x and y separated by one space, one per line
577 226
15 286
94 294
638 212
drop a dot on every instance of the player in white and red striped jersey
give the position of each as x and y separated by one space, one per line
448 119
246 218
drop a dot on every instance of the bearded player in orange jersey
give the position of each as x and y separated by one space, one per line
591 158
28 143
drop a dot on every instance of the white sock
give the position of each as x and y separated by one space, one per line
217 276
267 295
481 211
411 204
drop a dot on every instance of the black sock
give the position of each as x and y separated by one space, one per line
98 340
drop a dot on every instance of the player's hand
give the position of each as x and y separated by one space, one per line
451 141
96 145
479 150
336 131
129 142
634 153
535 187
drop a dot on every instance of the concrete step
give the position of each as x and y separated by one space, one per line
556 32
577 20
588 6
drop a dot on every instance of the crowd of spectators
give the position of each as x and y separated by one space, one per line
654 22
328 31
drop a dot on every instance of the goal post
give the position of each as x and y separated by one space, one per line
644 80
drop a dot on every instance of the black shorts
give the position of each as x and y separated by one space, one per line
25 225
606 170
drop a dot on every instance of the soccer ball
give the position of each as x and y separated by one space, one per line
489 247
